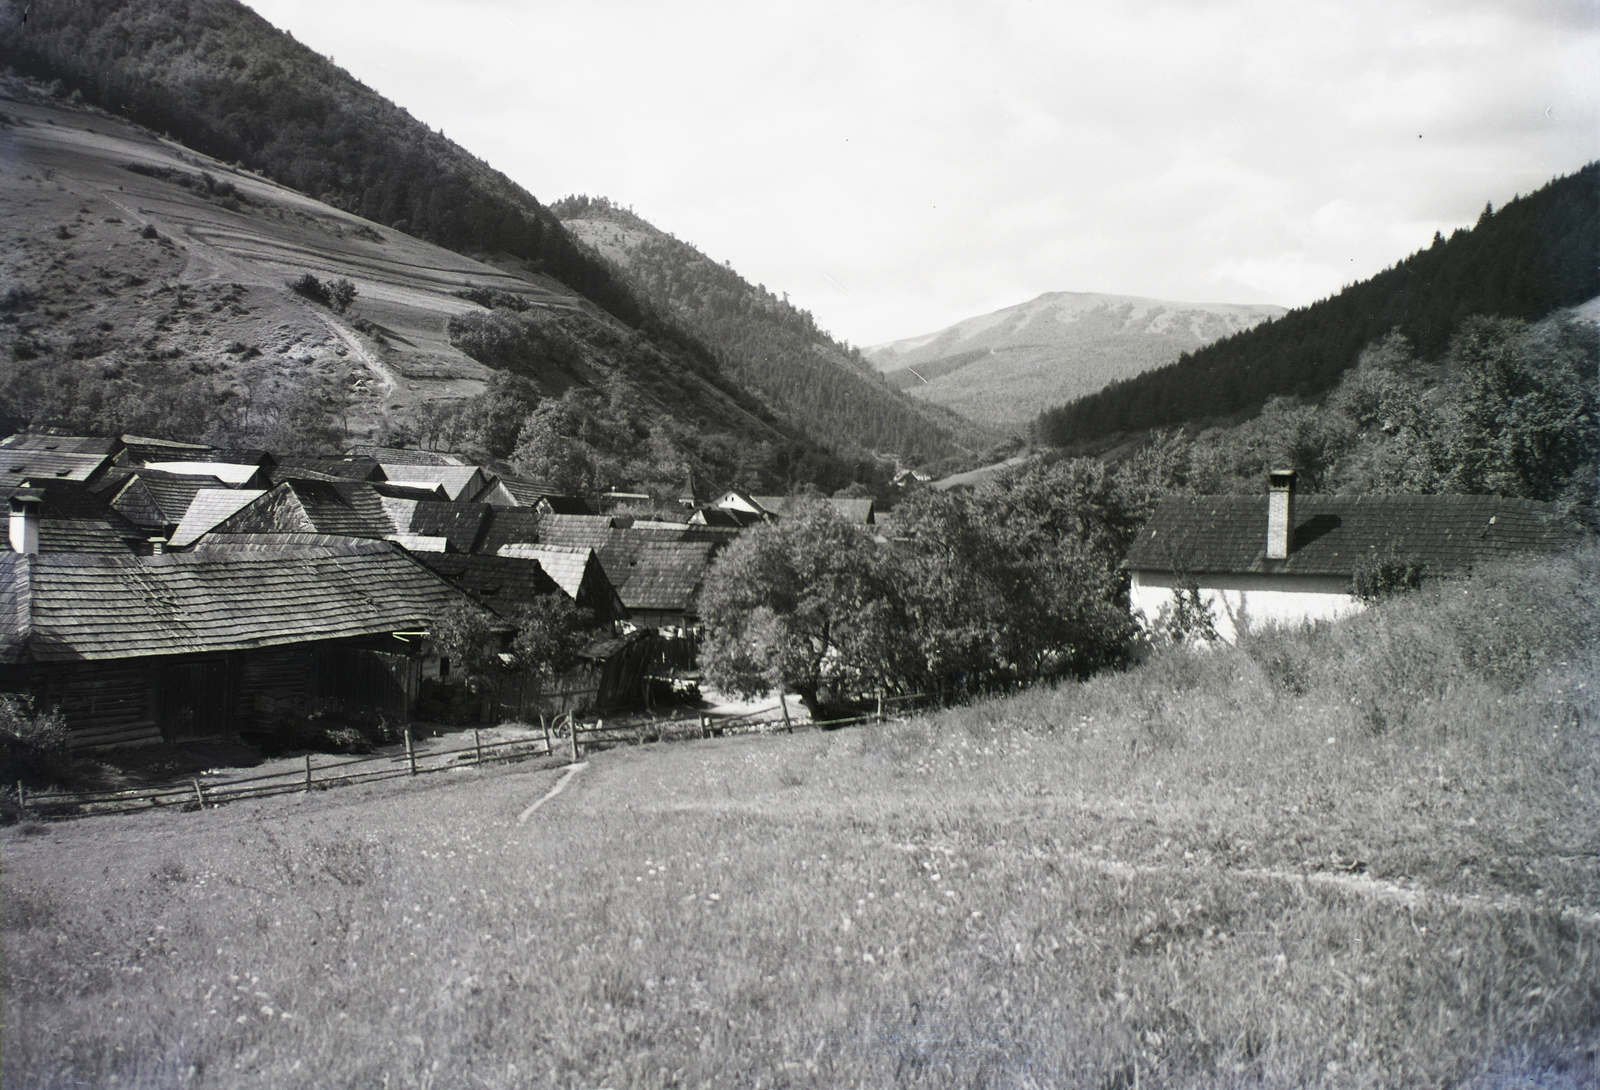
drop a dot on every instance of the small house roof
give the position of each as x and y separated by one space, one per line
25 463
346 467
68 444
71 608
1336 535
510 525
72 519
210 507
455 480
500 582
565 565
666 575
234 473
462 524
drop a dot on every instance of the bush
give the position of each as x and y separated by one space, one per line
311 288
341 293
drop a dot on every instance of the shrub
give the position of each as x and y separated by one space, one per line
311 288
341 293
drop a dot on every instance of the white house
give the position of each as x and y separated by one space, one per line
1289 559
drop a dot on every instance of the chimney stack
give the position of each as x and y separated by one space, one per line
25 504
1280 513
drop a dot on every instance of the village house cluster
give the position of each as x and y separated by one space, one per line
161 591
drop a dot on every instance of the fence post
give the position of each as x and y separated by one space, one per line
199 796
784 704
411 751
477 744
880 705
22 797
544 725
705 731
573 724
308 776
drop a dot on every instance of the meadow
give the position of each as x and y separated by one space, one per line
1359 856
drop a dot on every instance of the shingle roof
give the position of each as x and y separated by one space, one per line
730 518
510 525
1336 535
455 479
500 582
345 467
582 531
665 575
348 508
42 465
209 508
462 524
562 564
70 444
65 608
73 519
234 473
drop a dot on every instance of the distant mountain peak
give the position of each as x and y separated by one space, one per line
1002 368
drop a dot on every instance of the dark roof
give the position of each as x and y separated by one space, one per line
566 505
510 526
17 465
1336 535
665 575
347 508
66 444
344 467
73 519
461 524
500 582
66 608
577 531
143 448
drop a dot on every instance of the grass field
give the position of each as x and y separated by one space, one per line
1365 856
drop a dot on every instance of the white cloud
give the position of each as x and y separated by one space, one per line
947 157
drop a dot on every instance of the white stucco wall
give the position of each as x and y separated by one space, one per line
1249 601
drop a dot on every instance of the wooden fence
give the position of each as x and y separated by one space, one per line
560 736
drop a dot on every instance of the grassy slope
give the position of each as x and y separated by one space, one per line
168 309
1212 870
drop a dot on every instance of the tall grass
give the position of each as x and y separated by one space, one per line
1170 877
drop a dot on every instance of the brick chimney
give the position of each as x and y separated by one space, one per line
1280 513
25 504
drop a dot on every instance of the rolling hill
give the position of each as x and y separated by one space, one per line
146 287
767 344
1003 369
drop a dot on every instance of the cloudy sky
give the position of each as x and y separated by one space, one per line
899 165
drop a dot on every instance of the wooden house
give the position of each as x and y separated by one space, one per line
1289 559
217 642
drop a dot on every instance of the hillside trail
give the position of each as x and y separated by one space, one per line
1408 897
390 381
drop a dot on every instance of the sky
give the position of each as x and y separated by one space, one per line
896 166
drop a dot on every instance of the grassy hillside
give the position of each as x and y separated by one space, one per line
220 79
1006 367
1360 856
145 288
1525 260
770 346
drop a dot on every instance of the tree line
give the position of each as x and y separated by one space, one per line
1525 260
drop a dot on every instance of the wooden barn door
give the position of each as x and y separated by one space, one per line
192 700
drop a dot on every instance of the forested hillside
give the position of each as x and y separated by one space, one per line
1525 260
767 344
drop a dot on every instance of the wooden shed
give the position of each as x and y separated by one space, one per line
218 642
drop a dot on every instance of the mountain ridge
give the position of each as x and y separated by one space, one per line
1004 367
